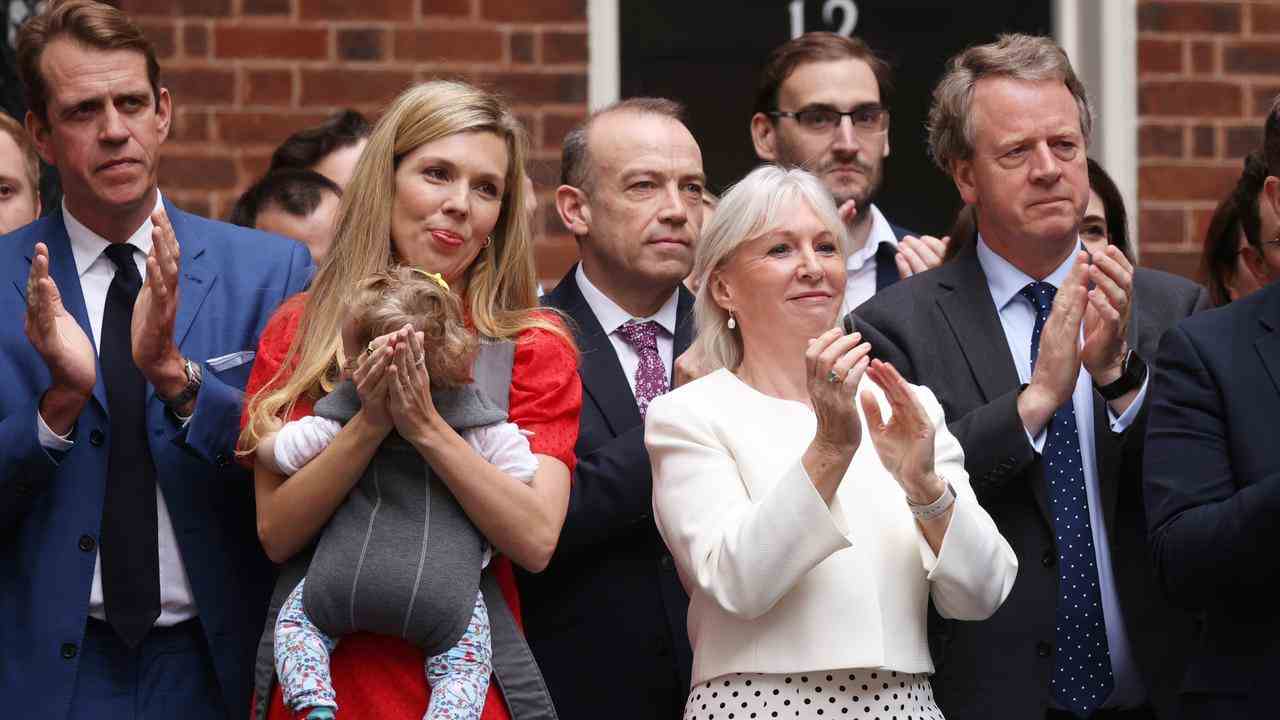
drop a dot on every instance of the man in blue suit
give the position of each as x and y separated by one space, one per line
132 583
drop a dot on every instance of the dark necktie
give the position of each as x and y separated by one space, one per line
651 376
129 548
886 266
1082 678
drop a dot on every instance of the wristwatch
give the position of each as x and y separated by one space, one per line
1133 370
194 378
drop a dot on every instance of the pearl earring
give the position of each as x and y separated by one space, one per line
732 323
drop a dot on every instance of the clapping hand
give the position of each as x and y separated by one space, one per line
917 254
835 363
1106 319
63 345
154 350
904 442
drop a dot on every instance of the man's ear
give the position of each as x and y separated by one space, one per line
39 132
962 175
574 210
164 113
764 136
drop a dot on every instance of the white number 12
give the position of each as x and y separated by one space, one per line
848 10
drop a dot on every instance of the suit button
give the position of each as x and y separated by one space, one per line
96 437
1044 649
69 650
221 460
1049 558
87 543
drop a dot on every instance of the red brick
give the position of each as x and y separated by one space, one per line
456 44
1200 220
1254 58
559 47
1182 182
195 40
184 8
1160 141
521 44
240 41
197 172
200 86
1197 17
189 126
1204 58
539 87
539 11
262 128
357 44
267 87
1265 16
1196 98
1159 56
1264 96
1163 226
361 10
555 127
1241 141
1185 263
161 34
352 87
451 8
266 7
1204 141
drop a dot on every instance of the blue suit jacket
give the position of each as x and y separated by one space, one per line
231 280
1213 494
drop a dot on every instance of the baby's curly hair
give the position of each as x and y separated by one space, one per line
387 301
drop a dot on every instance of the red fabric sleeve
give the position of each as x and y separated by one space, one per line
272 348
377 677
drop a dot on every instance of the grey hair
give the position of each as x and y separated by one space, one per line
575 155
753 207
1019 57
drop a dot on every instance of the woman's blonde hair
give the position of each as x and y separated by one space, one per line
501 287
751 208
401 296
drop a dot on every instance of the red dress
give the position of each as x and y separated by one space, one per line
377 677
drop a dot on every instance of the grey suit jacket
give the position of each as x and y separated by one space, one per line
941 329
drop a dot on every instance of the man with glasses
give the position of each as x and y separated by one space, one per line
822 104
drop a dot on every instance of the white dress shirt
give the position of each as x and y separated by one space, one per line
860 281
611 317
780 581
1018 317
96 272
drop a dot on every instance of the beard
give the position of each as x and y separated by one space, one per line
826 162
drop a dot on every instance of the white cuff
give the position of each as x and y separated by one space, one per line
1122 423
49 439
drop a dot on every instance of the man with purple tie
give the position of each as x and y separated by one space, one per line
606 620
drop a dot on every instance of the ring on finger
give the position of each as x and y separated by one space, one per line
421 361
833 377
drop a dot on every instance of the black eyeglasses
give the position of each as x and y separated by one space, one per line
866 119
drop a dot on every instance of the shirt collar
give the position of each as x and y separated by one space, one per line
87 246
881 234
611 316
1006 281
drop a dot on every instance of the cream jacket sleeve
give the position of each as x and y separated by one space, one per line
744 552
974 569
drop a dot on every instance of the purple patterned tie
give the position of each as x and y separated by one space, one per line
651 377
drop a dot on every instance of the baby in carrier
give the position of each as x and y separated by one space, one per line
399 557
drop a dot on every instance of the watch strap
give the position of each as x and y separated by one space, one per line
1133 372
194 379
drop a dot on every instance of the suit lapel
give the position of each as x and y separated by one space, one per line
195 278
1268 342
600 369
966 304
684 330
62 269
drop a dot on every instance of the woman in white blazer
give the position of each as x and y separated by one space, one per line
809 528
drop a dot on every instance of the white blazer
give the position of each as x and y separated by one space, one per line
780 582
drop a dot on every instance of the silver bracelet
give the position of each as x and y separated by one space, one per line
935 508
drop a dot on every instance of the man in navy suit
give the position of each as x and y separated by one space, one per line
1212 479
823 104
131 580
606 619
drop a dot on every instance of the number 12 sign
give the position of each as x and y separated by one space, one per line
847 10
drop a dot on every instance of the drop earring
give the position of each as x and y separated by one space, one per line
732 322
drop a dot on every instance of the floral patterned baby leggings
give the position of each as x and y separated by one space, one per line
459 676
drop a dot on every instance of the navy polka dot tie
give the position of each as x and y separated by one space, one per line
651 376
1082 677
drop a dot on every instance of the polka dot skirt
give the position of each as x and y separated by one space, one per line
863 694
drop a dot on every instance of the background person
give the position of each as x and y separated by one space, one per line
1235 222
331 148
440 187
19 176
132 583
298 204
809 531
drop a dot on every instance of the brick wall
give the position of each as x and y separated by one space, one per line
246 73
1207 73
